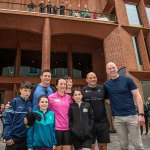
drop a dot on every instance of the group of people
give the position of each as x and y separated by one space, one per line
53 9
75 116
43 8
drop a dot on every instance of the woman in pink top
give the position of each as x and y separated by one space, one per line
59 103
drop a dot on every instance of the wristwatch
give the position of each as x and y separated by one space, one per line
140 114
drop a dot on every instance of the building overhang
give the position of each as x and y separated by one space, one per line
141 75
133 30
59 24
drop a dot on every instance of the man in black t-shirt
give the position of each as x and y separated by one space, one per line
94 94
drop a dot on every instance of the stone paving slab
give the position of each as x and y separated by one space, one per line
114 145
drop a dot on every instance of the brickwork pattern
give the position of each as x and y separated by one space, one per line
99 65
143 51
46 45
118 48
143 14
121 12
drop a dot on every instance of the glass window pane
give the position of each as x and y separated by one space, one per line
136 50
148 13
59 64
132 13
30 63
7 57
82 64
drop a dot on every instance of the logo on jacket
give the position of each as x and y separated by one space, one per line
56 100
85 110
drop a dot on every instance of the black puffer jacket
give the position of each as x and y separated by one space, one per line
81 120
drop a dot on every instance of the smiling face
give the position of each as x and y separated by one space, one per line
61 86
45 79
112 70
77 96
43 103
91 79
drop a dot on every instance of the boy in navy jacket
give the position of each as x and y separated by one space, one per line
15 131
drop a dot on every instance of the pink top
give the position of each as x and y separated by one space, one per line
60 106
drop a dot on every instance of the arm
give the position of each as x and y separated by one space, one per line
139 103
9 123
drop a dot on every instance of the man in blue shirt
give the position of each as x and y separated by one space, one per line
43 88
122 92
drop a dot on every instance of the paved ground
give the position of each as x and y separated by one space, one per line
114 145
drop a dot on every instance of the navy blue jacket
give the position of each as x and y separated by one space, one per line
14 123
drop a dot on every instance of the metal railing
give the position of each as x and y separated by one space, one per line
65 12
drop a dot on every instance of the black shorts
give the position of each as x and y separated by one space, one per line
79 144
101 133
63 137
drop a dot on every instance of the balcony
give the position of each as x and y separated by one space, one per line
69 13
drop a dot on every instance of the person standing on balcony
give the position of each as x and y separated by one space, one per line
42 7
31 6
122 92
70 11
94 94
49 7
55 8
62 8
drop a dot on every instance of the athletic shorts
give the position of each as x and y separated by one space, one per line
79 144
101 133
63 137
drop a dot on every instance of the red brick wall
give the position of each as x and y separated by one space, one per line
99 64
118 48
143 51
121 12
46 45
143 14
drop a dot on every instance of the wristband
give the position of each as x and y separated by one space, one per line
140 114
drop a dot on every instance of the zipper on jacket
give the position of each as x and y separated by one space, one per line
81 120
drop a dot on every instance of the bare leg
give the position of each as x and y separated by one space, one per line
67 147
102 146
93 146
58 147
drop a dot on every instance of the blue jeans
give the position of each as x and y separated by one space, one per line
128 125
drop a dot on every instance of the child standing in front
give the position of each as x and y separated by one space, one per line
41 135
15 131
81 121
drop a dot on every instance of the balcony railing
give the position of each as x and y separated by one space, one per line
62 12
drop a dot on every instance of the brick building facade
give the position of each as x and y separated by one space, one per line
31 41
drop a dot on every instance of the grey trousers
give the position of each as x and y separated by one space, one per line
128 125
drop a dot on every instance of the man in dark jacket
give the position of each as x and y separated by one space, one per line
94 94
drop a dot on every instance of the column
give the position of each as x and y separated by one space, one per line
143 14
143 51
121 12
18 60
46 45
